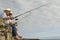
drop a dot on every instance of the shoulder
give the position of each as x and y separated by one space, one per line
4 15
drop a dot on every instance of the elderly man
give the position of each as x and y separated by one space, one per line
8 19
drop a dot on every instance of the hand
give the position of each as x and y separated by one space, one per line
12 18
12 22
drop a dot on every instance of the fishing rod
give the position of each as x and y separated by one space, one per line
30 11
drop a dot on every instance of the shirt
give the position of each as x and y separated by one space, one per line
7 21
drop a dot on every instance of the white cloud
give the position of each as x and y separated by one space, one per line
45 19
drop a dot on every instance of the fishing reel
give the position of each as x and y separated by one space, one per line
16 19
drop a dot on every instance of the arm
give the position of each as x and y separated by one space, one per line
13 22
6 18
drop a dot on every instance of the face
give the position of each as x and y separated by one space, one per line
7 12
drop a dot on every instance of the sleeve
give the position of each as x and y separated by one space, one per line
3 15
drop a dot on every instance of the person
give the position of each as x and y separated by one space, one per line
15 23
7 16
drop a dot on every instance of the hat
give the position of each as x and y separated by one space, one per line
7 9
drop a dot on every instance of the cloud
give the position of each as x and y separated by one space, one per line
46 19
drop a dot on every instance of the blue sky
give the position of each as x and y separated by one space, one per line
41 23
